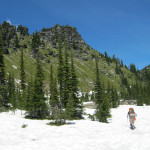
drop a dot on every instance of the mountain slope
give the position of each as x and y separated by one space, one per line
84 56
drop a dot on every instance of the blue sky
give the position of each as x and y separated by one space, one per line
120 27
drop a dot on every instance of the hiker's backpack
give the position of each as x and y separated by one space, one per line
131 110
131 113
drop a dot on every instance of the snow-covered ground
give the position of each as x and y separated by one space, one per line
80 135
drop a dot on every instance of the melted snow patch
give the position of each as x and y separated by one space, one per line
15 67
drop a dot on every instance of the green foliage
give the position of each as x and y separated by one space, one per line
16 42
22 72
39 106
133 68
67 78
60 73
102 101
29 102
114 97
24 126
3 90
35 40
74 91
98 87
55 104
12 92
103 110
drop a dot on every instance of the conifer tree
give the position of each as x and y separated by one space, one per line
101 99
3 94
29 106
16 42
13 94
114 97
56 109
98 86
70 108
39 106
61 74
22 72
74 91
67 77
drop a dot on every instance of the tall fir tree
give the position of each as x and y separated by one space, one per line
56 110
114 97
98 87
29 105
13 94
61 74
102 101
67 77
22 81
22 71
74 91
39 106
3 89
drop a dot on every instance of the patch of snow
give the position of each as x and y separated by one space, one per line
15 67
17 81
80 135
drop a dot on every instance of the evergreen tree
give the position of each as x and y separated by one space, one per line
39 106
102 101
35 41
61 74
29 105
3 90
133 68
22 82
74 91
114 97
13 94
67 80
70 109
98 86
103 110
22 72
56 109
16 42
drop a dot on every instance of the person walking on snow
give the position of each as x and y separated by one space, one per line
131 114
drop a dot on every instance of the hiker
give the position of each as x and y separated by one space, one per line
131 114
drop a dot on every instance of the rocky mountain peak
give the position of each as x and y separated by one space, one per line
66 33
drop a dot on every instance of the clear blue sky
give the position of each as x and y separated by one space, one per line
120 27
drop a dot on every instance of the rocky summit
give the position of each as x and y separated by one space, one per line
66 33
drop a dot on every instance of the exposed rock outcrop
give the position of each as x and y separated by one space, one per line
66 33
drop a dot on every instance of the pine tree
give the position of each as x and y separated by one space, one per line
67 77
3 90
35 41
70 109
16 42
39 106
11 91
101 99
74 91
55 105
103 110
114 97
29 106
22 72
61 74
98 86
13 94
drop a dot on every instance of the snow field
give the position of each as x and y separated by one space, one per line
80 135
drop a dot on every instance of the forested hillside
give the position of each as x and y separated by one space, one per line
58 57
